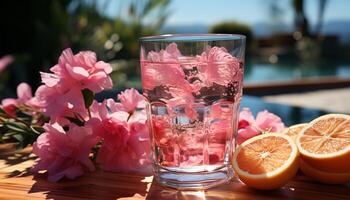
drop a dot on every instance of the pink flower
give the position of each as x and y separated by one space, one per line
246 133
162 132
24 92
130 100
216 65
124 132
156 74
64 153
100 110
25 97
186 101
79 71
5 61
61 95
163 69
269 122
249 127
246 116
9 105
170 54
58 105
125 146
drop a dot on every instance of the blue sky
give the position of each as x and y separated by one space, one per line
207 12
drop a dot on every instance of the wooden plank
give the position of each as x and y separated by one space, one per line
17 183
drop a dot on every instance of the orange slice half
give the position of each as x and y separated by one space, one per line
294 130
266 161
325 143
322 176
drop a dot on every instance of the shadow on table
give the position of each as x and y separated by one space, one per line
12 157
97 185
300 187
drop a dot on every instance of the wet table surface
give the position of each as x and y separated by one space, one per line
16 182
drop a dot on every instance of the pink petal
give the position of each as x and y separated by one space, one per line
219 67
24 92
78 73
5 61
99 110
86 162
86 59
98 82
246 115
114 106
8 102
106 67
9 106
55 177
267 121
74 172
242 124
246 133
36 103
172 51
67 56
64 154
131 99
120 115
49 79
40 144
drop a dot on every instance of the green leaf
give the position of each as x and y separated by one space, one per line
24 116
18 137
16 126
88 97
10 133
37 129
75 121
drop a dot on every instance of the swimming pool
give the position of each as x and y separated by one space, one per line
265 72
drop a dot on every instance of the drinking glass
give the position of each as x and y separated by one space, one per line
193 86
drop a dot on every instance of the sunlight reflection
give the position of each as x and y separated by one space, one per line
148 180
177 194
194 194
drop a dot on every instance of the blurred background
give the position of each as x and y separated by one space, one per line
292 45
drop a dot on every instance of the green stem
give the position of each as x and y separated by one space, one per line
89 112
129 116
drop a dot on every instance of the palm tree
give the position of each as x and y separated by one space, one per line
300 20
321 10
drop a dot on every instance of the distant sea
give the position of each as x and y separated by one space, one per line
341 28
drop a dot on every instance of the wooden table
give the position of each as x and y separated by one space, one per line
16 182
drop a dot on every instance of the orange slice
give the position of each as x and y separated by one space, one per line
294 130
325 143
322 176
266 161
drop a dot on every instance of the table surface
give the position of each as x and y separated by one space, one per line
16 182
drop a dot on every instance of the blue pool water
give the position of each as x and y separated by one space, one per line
259 73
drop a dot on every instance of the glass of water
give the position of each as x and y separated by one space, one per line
193 87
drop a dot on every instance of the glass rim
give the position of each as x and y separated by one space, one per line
207 37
